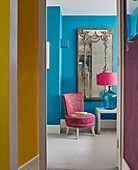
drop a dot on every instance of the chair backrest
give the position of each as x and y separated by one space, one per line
73 102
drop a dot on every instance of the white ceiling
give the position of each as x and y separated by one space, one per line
86 7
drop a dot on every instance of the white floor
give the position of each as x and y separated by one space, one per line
87 153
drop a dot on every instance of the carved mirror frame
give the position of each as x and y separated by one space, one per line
95 36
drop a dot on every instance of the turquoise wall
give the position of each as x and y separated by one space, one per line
69 55
60 62
132 24
54 35
62 75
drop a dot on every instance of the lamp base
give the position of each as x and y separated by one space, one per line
110 99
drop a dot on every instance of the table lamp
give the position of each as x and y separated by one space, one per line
108 79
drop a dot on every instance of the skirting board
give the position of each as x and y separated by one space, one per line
105 124
108 124
53 129
33 164
125 165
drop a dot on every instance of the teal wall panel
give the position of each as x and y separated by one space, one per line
54 35
132 24
62 75
69 55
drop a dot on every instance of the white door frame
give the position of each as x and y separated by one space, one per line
120 63
120 56
118 84
42 86
13 85
42 130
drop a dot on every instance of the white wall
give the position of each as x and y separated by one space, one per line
131 5
86 7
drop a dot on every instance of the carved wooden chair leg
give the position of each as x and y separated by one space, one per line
67 130
93 132
77 133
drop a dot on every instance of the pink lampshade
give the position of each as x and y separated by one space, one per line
107 79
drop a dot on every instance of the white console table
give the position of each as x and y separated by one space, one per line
98 111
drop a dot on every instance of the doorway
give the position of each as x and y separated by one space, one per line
62 31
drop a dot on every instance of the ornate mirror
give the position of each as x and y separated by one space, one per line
95 55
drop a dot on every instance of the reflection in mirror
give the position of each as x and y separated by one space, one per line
132 22
95 55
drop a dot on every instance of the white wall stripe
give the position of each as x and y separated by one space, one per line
13 85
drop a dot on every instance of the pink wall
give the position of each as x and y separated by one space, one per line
131 106
131 100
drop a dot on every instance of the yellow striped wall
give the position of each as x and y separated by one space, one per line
4 84
28 109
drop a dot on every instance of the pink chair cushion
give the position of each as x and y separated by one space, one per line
73 103
80 121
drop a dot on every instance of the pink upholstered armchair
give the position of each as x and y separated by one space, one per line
74 103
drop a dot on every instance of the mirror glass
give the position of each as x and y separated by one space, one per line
95 55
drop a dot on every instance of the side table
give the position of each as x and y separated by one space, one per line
98 111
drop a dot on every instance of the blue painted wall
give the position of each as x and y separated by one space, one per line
54 35
69 55
60 63
132 24
62 75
